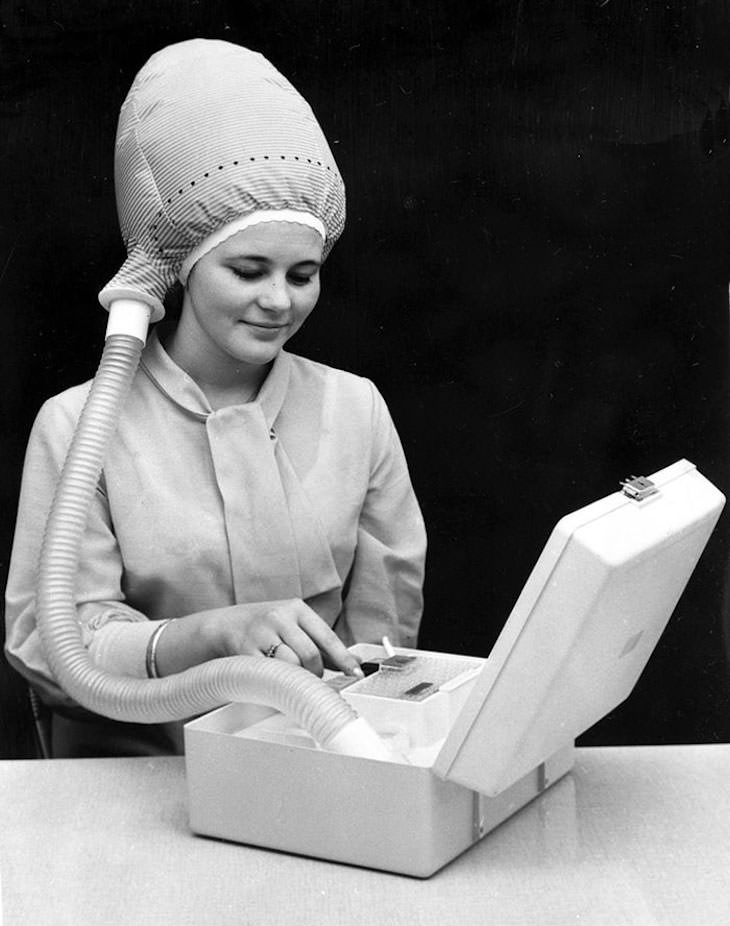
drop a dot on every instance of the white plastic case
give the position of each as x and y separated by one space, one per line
577 640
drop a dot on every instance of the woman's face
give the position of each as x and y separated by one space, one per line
248 296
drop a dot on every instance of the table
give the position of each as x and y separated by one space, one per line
634 835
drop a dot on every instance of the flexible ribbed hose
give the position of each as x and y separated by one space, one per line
290 689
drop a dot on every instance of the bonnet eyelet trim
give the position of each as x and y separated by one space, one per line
236 163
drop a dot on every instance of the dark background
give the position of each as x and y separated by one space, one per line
535 268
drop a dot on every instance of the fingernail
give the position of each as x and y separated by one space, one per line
357 672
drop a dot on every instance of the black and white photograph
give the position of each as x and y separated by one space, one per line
365 420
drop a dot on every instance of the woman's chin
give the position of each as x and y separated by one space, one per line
256 354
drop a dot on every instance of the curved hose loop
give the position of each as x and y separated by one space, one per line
291 689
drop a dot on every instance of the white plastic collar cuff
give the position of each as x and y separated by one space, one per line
237 225
109 295
129 316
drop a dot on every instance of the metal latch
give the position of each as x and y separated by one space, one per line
638 488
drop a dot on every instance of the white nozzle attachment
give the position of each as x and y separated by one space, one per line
129 316
358 738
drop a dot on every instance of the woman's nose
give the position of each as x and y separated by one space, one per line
275 295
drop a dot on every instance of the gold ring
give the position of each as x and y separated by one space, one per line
271 651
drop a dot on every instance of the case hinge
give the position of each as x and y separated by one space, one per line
479 825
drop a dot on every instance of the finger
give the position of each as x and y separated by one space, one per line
286 654
352 667
305 648
336 655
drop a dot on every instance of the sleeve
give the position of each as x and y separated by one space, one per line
115 633
384 590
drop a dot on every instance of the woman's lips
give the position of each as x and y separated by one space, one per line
263 329
267 326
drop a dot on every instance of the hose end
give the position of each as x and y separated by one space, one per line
130 317
358 738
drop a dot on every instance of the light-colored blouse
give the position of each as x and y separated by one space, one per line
302 493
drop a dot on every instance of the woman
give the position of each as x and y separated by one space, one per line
252 501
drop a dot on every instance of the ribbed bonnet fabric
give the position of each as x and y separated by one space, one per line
211 132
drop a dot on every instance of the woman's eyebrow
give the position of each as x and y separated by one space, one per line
261 260
267 260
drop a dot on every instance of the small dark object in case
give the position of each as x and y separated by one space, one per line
419 692
370 667
338 682
396 662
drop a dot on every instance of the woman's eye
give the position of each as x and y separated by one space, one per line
246 274
300 279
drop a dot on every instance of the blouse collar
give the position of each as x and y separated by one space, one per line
180 388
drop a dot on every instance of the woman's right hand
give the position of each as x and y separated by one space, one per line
289 630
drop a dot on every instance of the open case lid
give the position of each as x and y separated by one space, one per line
583 628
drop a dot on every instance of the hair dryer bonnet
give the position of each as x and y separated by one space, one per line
211 133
